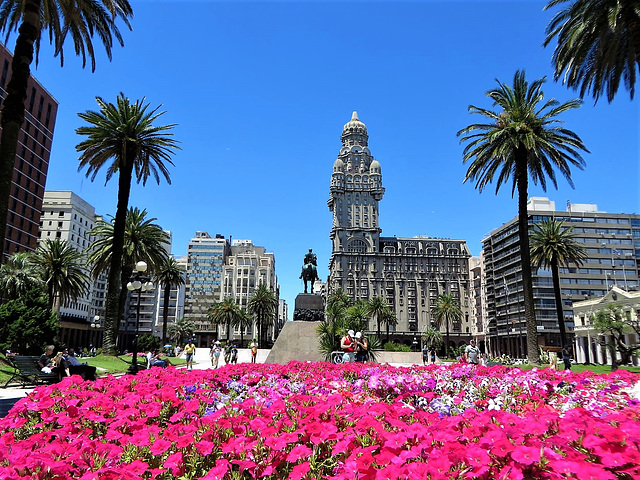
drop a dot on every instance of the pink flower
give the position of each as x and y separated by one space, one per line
298 452
526 455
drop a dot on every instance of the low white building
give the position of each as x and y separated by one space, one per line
590 345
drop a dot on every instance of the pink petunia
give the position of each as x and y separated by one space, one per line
526 455
298 452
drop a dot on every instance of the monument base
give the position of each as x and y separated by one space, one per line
297 341
308 308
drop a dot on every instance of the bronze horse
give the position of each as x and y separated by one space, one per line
309 274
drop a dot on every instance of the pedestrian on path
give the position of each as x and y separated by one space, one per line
190 350
254 351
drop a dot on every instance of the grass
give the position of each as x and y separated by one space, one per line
106 365
578 368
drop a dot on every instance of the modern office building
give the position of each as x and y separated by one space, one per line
205 260
612 245
31 163
409 273
216 270
65 216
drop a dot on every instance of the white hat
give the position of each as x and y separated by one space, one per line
350 333
358 335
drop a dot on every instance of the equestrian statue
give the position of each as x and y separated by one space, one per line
309 270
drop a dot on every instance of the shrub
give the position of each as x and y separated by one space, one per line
396 347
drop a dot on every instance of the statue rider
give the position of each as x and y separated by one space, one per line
311 258
309 271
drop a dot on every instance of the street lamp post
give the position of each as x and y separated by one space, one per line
139 282
95 325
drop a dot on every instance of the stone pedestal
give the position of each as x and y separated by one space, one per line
308 307
297 341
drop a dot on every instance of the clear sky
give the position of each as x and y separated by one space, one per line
260 92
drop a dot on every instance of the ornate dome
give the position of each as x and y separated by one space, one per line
375 167
354 127
338 166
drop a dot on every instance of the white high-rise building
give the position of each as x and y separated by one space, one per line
246 268
68 217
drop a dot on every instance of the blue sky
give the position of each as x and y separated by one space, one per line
260 92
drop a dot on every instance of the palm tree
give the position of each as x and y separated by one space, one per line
170 274
243 322
522 139
339 299
124 133
143 240
376 310
18 276
389 318
553 246
263 305
447 310
225 313
80 21
357 316
63 271
598 45
181 329
432 337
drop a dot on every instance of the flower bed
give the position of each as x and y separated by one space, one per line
316 420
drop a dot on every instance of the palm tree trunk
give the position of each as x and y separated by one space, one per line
555 274
446 350
379 333
14 106
112 306
165 312
522 180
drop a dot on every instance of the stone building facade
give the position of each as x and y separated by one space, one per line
409 273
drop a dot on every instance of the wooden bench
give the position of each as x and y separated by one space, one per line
27 372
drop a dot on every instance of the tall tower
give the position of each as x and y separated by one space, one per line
356 189
408 273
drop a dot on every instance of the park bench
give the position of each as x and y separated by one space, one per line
27 371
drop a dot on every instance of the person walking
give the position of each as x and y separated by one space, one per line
472 353
215 355
234 354
190 350
425 354
254 351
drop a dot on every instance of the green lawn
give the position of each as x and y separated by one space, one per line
577 367
105 364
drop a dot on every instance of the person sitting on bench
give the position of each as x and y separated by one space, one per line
50 364
87 372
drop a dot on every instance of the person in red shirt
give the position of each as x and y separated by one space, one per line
348 346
